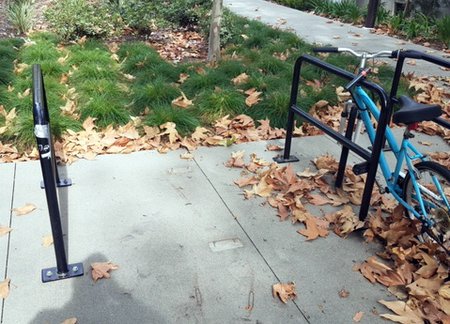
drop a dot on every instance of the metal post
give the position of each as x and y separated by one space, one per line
48 167
345 150
372 10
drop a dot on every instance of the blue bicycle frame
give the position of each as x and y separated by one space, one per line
406 152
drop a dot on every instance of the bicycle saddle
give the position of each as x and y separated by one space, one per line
412 112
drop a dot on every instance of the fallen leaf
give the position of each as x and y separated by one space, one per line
285 292
5 230
240 79
47 240
182 101
72 320
187 156
24 210
101 270
343 293
358 316
253 97
4 288
313 230
183 77
405 314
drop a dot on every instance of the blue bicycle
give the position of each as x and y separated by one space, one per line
421 186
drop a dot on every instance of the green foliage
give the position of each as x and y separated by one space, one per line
8 53
20 15
443 29
72 19
185 119
345 10
213 104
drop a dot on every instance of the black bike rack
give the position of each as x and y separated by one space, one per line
371 158
50 180
412 54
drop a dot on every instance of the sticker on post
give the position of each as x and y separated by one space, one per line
42 131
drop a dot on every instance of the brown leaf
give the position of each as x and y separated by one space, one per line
24 210
285 291
47 240
253 97
358 316
236 160
240 79
101 270
5 230
313 230
182 101
344 293
4 288
273 147
318 200
183 77
404 313
72 320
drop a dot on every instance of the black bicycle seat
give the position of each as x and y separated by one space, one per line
412 112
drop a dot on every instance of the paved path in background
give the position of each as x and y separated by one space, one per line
323 31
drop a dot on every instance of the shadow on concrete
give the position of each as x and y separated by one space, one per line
104 301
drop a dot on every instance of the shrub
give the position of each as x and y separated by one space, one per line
72 19
20 14
443 29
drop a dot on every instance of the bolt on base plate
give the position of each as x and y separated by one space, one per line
61 183
280 159
51 274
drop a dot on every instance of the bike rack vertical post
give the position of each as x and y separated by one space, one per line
370 157
49 172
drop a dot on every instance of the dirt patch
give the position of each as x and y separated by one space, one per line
6 28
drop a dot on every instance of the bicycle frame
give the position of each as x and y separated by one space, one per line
406 152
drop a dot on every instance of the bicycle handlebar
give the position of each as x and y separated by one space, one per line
366 55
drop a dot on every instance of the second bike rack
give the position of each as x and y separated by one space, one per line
371 158
51 180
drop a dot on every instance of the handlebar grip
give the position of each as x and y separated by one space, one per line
326 50
395 54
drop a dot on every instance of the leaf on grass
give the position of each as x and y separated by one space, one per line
253 97
5 230
47 240
4 288
24 210
101 270
285 291
240 79
405 314
183 77
72 320
182 101
358 316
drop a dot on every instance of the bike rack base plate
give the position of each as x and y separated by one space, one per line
51 274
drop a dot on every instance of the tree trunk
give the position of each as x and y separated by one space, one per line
214 32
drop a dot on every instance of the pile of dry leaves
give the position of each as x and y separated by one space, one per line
415 272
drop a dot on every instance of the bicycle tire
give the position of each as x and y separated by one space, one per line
440 231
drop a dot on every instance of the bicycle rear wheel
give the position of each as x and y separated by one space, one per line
429 174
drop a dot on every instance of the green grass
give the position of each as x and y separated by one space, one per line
105 90
185 119
214 104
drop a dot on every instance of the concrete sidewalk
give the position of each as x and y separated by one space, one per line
323 31
190 249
